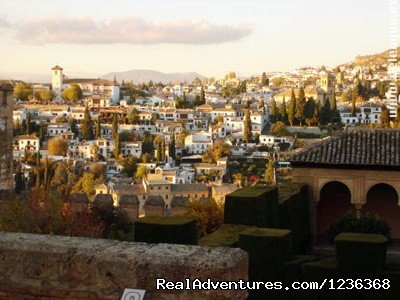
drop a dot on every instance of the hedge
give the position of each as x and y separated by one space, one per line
166 229
226 236
294 215
255 206
268 249
360 253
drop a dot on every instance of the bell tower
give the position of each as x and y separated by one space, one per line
57 81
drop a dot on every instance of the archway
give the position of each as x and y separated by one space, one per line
382 199
334 202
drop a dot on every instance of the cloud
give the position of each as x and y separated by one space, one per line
129 30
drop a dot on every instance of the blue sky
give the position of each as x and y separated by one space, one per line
93 37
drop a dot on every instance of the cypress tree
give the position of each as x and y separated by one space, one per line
115 126
46 172
264 79
292 108
172 147
87 125
98 129
28 123
333 102
247 127
283 111
273 113
163 149
202 96
159 150
117 146
300 103
325 114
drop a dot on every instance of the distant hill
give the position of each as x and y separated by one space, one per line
143 76
373 59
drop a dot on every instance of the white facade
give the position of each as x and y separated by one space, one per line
198 143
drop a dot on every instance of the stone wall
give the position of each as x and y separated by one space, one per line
41 266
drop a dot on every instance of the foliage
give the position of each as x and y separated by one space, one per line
129 165
360 224
87 126
208 215
292 108
247 130
141 172
300 104
63 179
45 213
269 175
116 222
22 91
73 93
86 184
133 116
218 150
278 129
278 81
57 146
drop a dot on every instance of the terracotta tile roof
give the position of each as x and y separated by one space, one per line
354 149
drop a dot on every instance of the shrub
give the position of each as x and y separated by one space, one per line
208 214
255 206
167 229
358 224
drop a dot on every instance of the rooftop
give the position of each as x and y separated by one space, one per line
354 149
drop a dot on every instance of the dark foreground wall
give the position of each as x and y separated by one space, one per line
40 266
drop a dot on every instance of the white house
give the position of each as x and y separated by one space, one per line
29 143
198 142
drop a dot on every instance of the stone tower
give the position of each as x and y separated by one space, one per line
327 84
6 136
57 81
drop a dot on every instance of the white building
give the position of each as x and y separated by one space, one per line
29 143
56 129
198 142
90 87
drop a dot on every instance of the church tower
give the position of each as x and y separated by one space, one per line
327 84
57 81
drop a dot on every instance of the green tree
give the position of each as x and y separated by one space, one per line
278 129
57 146
385 117
117 146
309 111
247 130
87 126
292 108
172 148
28 123
333 102
133 116
45 95
74 127
115 126
86 184
273 113
141 172
300 103
73 93
269 175
22 91
264 79
283 112
159 151
98 128
325 113
202 96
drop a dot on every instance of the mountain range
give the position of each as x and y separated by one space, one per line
141 76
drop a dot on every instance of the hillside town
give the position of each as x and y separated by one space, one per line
159 145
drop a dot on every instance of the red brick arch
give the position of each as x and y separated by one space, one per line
382 199
334 202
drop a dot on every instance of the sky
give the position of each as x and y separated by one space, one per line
94 37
